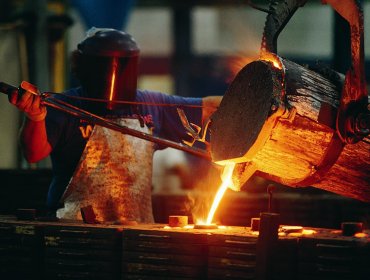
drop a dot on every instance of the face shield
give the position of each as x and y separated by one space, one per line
108 67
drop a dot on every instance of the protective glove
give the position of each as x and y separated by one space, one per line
30 104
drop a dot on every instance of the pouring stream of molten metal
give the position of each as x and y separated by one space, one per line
226 181
229 167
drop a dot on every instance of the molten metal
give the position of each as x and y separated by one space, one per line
226 181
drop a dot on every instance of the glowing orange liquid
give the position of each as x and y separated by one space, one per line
226 181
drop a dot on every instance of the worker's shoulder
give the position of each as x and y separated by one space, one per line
161 97
149 95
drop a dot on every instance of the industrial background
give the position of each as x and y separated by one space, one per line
188 48
193 48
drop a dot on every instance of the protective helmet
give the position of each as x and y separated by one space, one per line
107 66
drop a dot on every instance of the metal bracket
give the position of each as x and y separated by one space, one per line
353 115
196 132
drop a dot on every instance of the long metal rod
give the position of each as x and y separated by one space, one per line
92 118
99 100
95 119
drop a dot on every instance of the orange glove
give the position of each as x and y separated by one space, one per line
30 104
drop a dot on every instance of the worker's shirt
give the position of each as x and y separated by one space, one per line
68 135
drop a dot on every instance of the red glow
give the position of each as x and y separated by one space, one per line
271 57
361 235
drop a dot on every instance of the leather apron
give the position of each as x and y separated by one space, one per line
114 176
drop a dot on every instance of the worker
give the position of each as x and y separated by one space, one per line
88 170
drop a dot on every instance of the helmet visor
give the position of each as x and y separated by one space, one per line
111 79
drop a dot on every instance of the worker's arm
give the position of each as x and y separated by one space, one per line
33 135
210 105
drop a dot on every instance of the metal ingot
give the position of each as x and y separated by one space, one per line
178 221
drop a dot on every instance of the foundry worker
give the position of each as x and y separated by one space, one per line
92 165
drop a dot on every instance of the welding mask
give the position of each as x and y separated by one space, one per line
107 67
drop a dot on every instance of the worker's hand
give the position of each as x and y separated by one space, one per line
30 104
